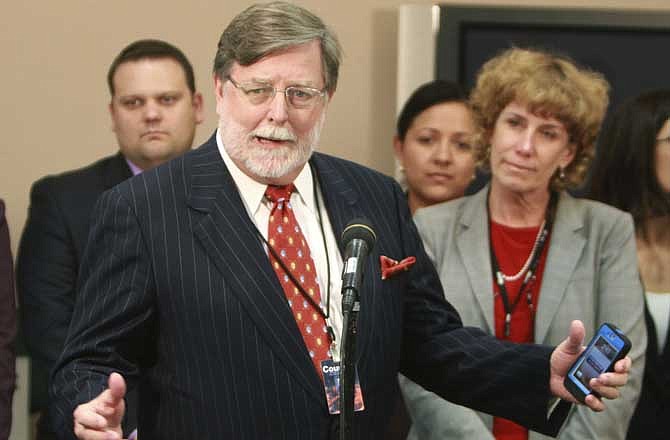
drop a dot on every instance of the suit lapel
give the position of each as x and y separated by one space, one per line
117 171
565 247
229 237
472 240
343 205
339 196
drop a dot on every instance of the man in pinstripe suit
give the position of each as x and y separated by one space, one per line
178 298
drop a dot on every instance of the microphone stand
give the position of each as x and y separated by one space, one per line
350 309
359 238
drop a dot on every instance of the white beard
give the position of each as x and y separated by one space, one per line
273 162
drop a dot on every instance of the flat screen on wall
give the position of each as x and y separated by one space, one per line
630 48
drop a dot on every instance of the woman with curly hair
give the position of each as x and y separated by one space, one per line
522 258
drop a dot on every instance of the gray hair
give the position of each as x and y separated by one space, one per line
266 28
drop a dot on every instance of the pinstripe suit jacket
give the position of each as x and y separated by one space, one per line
177 294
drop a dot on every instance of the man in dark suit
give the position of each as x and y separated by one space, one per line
200 291
154 109
7 328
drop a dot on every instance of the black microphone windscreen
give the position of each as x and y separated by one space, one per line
359 228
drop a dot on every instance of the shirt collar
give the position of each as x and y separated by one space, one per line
133 168
253 192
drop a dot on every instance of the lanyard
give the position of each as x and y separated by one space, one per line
536 253
288 272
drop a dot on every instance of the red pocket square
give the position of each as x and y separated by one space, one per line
390 266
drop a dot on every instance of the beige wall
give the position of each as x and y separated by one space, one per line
55 56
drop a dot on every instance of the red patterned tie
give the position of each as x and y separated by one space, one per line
286 238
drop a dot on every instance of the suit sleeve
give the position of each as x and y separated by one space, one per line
463 364
620 301
7 328
113 314
433 417
46 277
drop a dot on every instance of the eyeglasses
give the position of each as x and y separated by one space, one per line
665 140
299 97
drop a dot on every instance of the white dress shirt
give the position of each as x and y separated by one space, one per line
304 204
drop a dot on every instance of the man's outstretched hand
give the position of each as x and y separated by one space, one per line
566 353
100 418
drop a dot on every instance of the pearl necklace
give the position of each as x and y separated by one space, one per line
524 268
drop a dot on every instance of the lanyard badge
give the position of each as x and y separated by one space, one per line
331 382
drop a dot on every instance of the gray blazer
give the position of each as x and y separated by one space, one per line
591 274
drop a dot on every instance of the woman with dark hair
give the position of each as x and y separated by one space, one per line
522 257
432 144
432 149
632 173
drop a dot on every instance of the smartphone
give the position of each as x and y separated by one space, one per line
607 346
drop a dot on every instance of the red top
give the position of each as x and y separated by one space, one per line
512 246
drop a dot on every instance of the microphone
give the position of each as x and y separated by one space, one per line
358 239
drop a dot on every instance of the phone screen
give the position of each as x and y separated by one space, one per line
597 358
